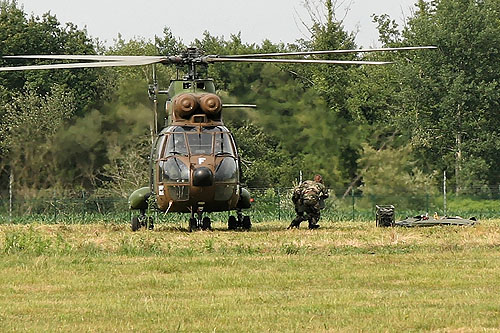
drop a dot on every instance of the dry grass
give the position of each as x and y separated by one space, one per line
346 276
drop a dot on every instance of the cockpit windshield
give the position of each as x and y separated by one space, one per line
176 145
223 144
200 143
186 140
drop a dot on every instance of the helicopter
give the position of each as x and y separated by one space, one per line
194 163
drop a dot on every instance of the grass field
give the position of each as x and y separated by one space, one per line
346 276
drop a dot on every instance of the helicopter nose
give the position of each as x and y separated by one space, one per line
203 176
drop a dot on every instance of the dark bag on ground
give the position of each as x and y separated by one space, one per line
385 216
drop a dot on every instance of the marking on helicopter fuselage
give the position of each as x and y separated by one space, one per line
201 160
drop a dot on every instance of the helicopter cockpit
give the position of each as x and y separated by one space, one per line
189 141
182 148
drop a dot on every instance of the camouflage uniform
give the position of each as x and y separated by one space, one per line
308 198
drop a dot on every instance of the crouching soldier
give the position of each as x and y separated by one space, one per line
308 200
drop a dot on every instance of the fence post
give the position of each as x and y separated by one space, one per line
54 204
11 184
352 195
427 202
279 205
444 193
83 206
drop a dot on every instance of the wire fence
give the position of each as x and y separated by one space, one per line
271 204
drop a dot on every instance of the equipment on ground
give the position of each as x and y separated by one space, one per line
384 216
424 221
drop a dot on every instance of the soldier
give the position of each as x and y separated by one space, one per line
308 198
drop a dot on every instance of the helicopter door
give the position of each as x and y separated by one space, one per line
226 171
173 170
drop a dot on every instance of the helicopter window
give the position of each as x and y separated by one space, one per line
159 145
224 192
226 171
170 129
176 145
200 143
174 171
200 85
223 144
179 192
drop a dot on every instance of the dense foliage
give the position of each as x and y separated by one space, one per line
362 127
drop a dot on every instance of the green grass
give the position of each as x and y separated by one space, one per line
346 276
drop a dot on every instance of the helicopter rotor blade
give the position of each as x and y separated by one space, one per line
296 61
133 61
117 61
305 53
85 57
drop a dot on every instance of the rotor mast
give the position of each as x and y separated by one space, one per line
192 57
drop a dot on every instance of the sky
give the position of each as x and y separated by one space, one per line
256 20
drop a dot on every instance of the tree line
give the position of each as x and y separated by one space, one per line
376 129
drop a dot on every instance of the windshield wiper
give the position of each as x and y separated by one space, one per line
223 153
174 153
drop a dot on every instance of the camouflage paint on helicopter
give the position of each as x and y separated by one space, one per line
195 163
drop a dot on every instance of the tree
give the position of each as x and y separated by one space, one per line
23 34
450 97
127 168
342 141
264 162
30 124
29 91
391 175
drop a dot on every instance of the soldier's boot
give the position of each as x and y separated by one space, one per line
295 223
313 224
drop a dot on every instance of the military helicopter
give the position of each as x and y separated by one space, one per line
194 164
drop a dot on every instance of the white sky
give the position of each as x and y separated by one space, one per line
276 20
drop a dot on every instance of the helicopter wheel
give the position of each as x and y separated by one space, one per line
193 224
140 221
243 221
246 224
232 224
135 224
206 224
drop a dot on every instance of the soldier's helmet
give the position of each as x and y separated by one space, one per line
318 178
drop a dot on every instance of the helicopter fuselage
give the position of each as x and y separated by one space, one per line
195 163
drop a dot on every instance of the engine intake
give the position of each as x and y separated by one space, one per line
211 104
185 105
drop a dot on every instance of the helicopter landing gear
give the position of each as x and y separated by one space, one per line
240 221
142 221
232 224
199 222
